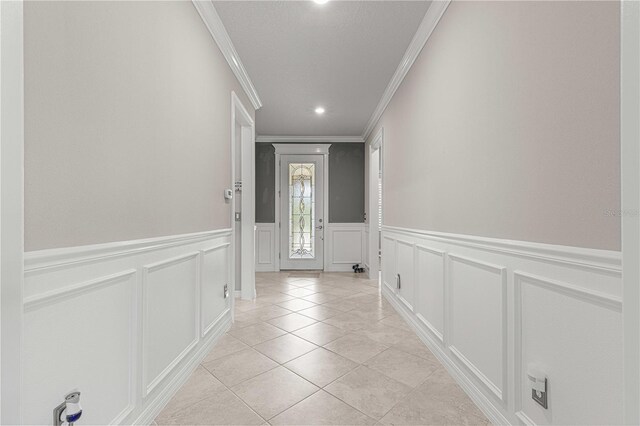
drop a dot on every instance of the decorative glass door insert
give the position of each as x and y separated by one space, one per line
301 192
302 177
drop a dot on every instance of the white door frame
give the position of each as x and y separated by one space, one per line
630 168
11 208
240 115
302 148
374 260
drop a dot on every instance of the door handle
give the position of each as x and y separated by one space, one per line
319 227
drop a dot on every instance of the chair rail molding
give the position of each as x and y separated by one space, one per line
489 308
309 139
216 28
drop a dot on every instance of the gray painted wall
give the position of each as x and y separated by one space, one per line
346 183
265 183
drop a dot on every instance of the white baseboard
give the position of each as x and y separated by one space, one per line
489 308
115 300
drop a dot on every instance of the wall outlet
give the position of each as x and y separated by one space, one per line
226 291
541 396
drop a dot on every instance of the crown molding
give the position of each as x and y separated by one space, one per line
309 139
428 24
214 24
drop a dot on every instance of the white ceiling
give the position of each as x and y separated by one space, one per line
299 55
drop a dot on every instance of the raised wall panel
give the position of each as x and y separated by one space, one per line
213 277
568 333
121 322
406 270
170 315
488 308
389 262
81 337
478 315
430 284
347 247
344 246
266 250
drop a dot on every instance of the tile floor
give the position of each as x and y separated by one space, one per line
319 349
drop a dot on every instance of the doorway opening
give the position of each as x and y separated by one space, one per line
242 201
375 206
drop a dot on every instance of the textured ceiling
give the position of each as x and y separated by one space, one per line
299 55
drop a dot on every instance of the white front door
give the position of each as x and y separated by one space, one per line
302 222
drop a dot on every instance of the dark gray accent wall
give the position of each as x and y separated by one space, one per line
265 183
346 183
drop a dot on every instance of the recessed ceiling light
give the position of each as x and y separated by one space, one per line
320 1
319 110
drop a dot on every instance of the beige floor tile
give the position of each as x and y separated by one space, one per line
300 292
292 321
438 401
275 297
226 345
223 408
397 322
321 366
320 312
285 348
384 334
356 347
347 321
296 304
373 313
265 314
320 298
414 346
200 385
240 366
257 333
274 391
322 408
403 367
341 305
370 392
303 282
320 333
249 305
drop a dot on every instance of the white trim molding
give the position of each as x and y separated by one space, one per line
217 30
488 309
243 149
301 149
309 139
428 24
11 208
147 311
630 173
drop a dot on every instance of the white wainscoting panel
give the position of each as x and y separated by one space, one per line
169 315
490 309
430 284
266 250
124 322
344 246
